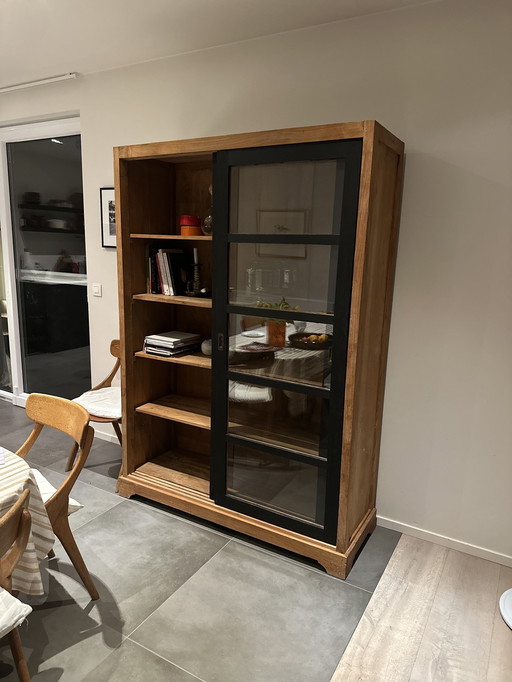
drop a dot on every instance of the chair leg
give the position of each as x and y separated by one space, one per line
18 656
71 458
63 532
117 429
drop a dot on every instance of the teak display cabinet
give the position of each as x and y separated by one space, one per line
277 439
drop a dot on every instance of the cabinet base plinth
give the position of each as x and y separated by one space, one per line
193 502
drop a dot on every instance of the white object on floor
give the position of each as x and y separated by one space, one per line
47 490
104 402
506 607
12 612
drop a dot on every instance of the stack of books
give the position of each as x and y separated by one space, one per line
170 344
166 272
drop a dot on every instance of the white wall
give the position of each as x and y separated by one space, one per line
438 76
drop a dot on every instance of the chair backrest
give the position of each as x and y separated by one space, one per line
59 413
70 418
14 532
115 351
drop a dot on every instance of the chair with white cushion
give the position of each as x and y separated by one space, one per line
14 534
103 402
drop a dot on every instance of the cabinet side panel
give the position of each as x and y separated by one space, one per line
360 475
144 195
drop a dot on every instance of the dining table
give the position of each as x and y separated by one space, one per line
15 477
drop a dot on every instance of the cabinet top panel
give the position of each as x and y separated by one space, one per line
202 147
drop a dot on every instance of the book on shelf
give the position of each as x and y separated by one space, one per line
170 344
166 272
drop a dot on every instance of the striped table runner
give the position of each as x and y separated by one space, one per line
15 477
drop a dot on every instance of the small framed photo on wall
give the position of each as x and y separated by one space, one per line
108 217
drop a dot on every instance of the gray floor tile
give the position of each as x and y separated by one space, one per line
104 458
373 559
13 440
137 557
247 615
132 663
12 417
105 483
64 642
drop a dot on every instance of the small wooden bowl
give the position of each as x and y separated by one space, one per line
297 341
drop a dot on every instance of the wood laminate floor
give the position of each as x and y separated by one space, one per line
434 617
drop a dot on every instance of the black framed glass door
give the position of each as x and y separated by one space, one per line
285 220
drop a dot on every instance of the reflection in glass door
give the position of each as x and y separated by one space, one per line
282 306
46 200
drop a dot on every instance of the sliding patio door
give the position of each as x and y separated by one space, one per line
44 260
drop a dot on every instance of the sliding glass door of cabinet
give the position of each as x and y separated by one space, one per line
285 222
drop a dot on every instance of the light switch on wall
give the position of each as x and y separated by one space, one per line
97 290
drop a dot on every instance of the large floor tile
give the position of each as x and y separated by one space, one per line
373 559
137 557
12 417
133 663
64 642
247 615
104 458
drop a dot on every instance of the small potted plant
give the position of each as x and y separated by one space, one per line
276 329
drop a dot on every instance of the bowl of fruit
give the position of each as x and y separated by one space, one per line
310 341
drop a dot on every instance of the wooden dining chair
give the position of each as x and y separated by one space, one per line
14 533
72 419
103 402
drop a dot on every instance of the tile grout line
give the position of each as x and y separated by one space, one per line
164 659
179 588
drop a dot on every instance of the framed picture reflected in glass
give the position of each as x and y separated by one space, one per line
282 223
108 217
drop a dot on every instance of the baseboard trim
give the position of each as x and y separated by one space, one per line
109 437
445 541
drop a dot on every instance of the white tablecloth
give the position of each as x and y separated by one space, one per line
15 477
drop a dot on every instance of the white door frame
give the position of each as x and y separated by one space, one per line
20 133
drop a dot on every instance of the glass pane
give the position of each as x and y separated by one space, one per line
282 485
285 198
286 419
48 230
5 359
306 283
298 351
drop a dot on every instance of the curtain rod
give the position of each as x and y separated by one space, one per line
42 81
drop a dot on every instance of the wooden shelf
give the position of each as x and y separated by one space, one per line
192 360
288 439
179 408
180 237
52 230
191 301
188 469
50 207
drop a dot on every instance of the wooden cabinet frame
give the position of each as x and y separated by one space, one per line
144 176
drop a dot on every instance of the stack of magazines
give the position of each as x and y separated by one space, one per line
170 344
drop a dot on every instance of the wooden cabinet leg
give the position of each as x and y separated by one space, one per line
335 565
